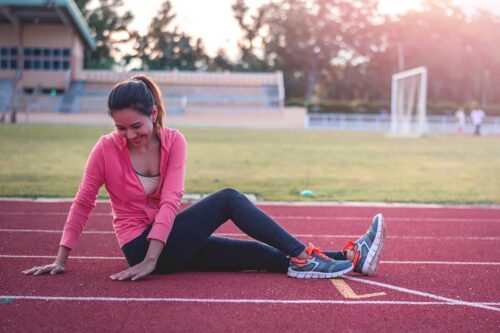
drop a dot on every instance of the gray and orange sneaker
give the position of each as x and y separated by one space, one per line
368 248
317 265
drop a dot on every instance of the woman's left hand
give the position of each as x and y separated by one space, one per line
135 272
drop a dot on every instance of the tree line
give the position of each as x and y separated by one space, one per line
329 51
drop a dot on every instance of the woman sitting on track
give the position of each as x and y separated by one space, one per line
142 165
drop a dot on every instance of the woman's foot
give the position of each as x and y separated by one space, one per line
367 249
317 265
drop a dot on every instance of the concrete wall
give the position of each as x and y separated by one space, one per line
47 35
7 38
77 55
7 35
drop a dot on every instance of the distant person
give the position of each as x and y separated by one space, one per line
384 114
460 118
477 116
142 165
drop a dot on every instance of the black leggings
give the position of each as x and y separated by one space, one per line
191 245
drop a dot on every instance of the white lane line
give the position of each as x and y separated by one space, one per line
423 294
490 238
223 300
409 262
326 204
392 219
54 231
298 217
103 232
390 262
15 256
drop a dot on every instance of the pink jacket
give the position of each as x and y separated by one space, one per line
133 211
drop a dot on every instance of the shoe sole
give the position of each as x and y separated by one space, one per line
372 259
317 275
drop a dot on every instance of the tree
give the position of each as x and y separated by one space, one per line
250 26
109 30
220 62
166 48
483 56
307 40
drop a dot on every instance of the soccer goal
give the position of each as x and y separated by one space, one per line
409 102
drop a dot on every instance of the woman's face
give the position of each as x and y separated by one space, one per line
134 126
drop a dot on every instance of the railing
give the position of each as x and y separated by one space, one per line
382 123
179 77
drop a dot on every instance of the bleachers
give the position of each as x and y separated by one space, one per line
6 89
193 92
29 103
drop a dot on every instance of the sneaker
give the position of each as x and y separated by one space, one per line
317 265
367 249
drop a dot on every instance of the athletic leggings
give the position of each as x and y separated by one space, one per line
191 245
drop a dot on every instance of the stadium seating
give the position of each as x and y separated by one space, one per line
185 92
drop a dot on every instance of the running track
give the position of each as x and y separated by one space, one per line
440 272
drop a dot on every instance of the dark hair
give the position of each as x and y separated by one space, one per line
139 93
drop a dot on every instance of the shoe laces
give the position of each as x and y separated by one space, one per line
311 249
349 246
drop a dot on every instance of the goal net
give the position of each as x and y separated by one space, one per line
409 102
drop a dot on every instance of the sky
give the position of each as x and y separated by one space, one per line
195 17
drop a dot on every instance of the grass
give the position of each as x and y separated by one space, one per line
48 161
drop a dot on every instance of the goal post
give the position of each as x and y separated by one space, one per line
409 102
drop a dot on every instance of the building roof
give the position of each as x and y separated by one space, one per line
47 11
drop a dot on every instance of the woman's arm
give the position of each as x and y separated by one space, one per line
58 266
143 268
84 202
172 190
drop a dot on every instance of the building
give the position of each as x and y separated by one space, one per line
42 48
42 45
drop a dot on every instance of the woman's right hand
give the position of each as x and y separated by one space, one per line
52 269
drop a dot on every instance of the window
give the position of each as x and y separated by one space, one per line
36 58
8 58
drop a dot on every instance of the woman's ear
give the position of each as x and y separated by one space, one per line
154 113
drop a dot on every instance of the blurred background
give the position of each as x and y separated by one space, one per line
333 56
354 69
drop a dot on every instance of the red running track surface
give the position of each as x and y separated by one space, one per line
440 271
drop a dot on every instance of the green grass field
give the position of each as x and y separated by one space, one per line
48 161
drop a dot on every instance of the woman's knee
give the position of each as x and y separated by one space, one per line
229 191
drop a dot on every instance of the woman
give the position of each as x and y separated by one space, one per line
142 165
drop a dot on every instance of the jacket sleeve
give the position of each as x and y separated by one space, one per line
172 190
84 202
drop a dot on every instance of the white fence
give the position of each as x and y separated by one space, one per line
380 123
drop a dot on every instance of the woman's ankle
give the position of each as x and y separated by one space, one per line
349 254
302 256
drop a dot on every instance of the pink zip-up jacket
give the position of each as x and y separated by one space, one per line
133 211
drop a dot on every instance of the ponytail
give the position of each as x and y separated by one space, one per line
155 91
141 94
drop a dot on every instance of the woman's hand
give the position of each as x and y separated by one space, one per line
135 272
52 269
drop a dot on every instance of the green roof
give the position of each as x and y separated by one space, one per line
21 9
